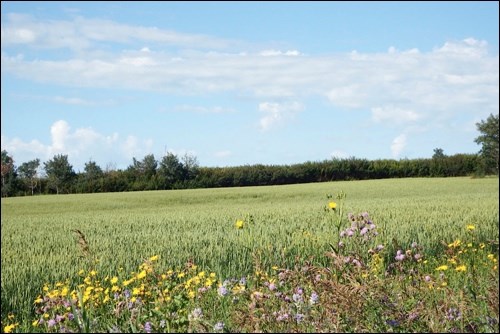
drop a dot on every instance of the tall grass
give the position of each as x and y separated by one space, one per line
39 244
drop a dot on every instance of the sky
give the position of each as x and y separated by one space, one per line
243 83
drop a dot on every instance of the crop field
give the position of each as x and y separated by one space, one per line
283 225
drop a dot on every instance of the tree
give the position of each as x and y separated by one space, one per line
59 172
438 153
92 174
171 170
8 173
28 171
489 139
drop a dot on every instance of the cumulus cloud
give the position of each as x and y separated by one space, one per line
398 145
277 113
80 145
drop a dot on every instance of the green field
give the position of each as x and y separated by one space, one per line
123 229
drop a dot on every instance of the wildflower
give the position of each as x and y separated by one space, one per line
427 278
162 323
417 256
363 231
392 323
455 244
282 317
222 291
314 298
197 313
9 328
453 314
332 205
147 327
51 323
219 326
470 227
153 258
442 268
399 256
34 323
299 317
141 275
461 268
272 286
239 224
380 247
414 244
482 245
297 298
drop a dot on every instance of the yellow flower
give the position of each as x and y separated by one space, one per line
239 224
34 323
444 284
114 280
9 328
455 243
153 258
442 268
93 273
180 275
38 300
470 227
81 272
332 205
142 274
481 245
461 268
115 288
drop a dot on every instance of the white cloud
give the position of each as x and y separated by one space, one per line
202 109
398 145
72 101
394 115
82 33
80 145
277 113
268 53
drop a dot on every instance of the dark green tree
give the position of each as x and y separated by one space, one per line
93 173
8 171
171 171
489 139
59 172
28 172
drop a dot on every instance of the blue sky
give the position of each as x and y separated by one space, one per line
237 83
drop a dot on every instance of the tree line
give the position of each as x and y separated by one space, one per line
174 172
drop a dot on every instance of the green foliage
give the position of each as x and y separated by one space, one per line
489 139
60 173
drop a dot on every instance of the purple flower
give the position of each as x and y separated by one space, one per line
147 327
272 286
71 316
299 317
297 298
197 313
51 323
380 247
417 256
453 314
222 291
59 318
282 317
126 293
219 326
341 244
363 231
299 291
399 256
356 263
342 234
414 244
350 232
314 298
427 278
